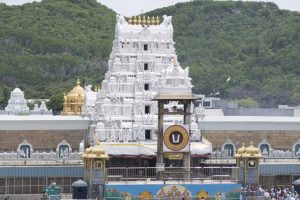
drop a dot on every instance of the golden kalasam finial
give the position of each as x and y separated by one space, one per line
99 88
139 20
153 21
130 20
148 21
78 81
175 60
96 89
144 20
134 20
157 20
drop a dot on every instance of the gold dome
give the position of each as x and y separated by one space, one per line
87 150
95 152
74 100
249 152
241 149
77 90
252 149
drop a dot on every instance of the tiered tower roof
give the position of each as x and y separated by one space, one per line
17 102
143 60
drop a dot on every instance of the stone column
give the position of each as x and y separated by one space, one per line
160 155
187 155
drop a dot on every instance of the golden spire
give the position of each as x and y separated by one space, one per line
157 20
153 21
99 88
148 21
134 20
139 20
175 60
98 142
144 20
130 21
74 100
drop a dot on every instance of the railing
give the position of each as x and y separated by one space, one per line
33 197
40 156
172 173
30 112
250 195
273 154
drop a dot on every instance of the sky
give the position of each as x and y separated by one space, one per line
134 7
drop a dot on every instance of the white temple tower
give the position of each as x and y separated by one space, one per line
17 103
142 60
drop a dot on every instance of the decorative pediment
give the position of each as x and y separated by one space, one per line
296 148
24 149
63 149
265 147
145 32
229 148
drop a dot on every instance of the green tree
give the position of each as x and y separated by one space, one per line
247 103
45 45
5 97
56 103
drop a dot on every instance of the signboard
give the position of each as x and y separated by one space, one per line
175 156
176 138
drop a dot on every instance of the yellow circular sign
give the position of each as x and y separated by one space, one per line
176 137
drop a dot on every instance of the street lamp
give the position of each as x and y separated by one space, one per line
200 112
234 93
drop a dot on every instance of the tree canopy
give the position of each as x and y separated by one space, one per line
255 43
45 46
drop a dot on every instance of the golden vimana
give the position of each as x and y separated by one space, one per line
74 100
144 20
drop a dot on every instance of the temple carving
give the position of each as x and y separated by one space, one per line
143 61
73 101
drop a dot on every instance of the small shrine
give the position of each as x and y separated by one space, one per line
73 101
94 159
17 103
247 159
42 109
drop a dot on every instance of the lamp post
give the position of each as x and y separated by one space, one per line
234 93
201 114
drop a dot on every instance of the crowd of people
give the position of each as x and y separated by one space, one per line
275 193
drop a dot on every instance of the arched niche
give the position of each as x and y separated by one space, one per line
63 149
229 148
24 150
296 148
264 147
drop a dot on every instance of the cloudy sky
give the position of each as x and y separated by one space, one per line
134 7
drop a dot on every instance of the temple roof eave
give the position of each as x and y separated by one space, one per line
175 97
